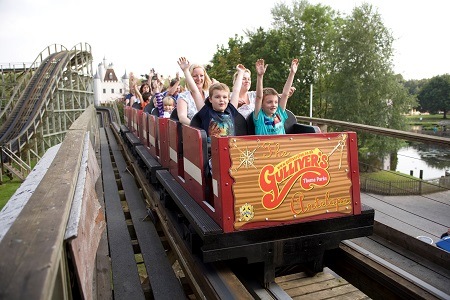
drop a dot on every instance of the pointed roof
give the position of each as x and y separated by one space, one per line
110 75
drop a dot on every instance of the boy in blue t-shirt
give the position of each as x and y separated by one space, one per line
270 110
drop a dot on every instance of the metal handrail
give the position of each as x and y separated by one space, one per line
410 136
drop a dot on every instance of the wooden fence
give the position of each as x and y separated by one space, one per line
57 231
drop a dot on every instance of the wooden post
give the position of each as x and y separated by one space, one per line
1 165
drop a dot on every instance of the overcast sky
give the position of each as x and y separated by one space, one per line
136 36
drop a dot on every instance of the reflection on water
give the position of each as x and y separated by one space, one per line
433 160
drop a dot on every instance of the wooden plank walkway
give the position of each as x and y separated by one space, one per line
126 281
163 281
321 286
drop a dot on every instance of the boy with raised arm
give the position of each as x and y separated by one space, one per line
270 109
217 114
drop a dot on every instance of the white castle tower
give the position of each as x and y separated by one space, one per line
107 87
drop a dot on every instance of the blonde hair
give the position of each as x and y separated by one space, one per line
219 87
168 100
207 82
236 74
269 91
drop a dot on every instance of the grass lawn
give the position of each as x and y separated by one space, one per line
428 121
384 175
426 118
7 189
401 181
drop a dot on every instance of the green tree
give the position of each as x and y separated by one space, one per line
364 88
260 44
224 61
274 48
348 60
300 31
310 32
435 95
415 85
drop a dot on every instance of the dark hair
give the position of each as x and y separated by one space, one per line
146 96
142 87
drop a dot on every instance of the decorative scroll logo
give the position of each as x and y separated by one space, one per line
310 168
246 212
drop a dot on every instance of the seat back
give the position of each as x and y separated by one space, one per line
240 124
196 121
134 122
176 166
143 129
151 103
195 150
127 116
174 115
291 125
153 139
250 124
290 121
163 141
155 112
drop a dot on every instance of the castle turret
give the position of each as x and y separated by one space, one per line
101 71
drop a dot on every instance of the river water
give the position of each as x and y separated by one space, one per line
433 161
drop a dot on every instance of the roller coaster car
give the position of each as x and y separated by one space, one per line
272 201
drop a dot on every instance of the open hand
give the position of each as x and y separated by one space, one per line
240 67
183 63
291 91
260 67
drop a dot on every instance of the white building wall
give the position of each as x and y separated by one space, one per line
111 91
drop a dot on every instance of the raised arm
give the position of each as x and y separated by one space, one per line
172 89
237 85
198 98
131 81
260 70
150 77
158 96
287 86
138 94
182 111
